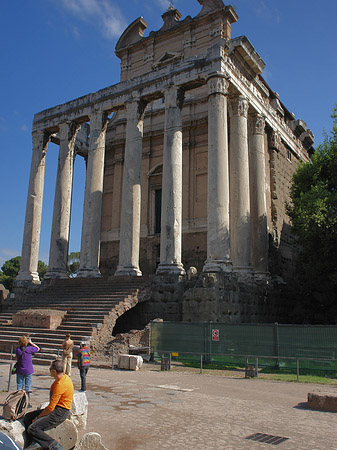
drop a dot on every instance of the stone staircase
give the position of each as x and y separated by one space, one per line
89 304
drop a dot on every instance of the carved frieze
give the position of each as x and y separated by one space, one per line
189 42
217 31
148 57
125 66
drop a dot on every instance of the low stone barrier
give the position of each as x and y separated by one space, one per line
38 318
91 441
323 400
130 362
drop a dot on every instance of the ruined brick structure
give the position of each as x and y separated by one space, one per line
189 163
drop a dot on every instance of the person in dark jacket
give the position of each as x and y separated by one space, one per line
24 369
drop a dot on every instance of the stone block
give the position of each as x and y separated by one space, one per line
79 410
38 318
65 434
3 292
130 362
323 400
80 404
14 430
91 441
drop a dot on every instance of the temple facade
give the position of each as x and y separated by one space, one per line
189 160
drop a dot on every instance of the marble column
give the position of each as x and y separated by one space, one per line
31 236
218 240
258 207
131 191
239 186
59 243
91 225
171 215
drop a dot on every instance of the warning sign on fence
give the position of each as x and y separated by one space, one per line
215 335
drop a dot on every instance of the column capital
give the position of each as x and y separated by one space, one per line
98 119
257 123
174 97
275 140
217 84
135 108
68 129
40 139
238 106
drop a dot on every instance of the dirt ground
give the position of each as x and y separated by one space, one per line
181 409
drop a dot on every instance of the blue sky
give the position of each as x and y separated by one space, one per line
55 50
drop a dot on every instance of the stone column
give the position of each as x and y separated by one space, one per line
59 243
31 236
131 192
258 207
218 241
239 186
91 225
171 216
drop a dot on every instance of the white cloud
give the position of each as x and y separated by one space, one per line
267 11
165 3
6 254
105 14
76 32
24 128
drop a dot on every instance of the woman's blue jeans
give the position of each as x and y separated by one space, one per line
24 380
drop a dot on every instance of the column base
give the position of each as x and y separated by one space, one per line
165 268
55 273
263 276
244 273
89 273
128 270
26 278
218 265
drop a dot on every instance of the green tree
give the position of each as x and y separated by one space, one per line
11 268
313 214
73 264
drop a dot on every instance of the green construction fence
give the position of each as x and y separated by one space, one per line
275 345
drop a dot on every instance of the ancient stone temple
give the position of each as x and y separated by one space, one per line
189 160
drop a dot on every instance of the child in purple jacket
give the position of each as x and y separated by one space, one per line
24 370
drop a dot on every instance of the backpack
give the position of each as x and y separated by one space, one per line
15 405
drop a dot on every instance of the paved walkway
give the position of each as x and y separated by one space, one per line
150 409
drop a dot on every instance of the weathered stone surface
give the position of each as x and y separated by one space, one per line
323 400
13 429
3 292
130 362
65 433
80 404
38 318
78 412
91 441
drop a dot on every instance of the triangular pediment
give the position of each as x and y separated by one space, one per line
167 58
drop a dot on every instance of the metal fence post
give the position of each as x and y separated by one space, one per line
201 363
276 345
298 369
256 367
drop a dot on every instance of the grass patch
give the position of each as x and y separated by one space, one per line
291 377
